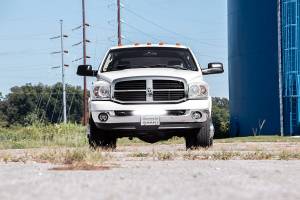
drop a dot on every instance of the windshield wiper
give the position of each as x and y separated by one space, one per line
167 66
158 66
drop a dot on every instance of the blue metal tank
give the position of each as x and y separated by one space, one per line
253 67
290 28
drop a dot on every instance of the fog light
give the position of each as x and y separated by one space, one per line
103 117
197 115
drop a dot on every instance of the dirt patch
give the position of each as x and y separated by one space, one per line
82 167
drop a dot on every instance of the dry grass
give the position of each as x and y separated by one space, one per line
72 135
206 154
236 155
139 155
165 156
72 158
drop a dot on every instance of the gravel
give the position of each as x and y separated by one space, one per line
149 179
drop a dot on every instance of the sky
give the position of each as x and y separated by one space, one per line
27 25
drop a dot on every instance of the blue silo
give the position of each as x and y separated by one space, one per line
253 67
290 28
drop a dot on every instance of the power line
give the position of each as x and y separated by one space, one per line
71 104
137 29
165 29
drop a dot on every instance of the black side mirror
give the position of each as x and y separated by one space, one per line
213 68
86 70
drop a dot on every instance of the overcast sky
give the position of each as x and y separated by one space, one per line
26 27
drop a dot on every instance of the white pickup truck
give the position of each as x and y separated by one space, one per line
152 92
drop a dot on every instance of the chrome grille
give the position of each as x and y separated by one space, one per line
149 90
168 95
167 84
131 85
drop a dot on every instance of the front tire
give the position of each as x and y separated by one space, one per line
199 137
100 138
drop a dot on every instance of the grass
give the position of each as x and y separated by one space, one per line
259 139
66 146
235 155
203 154
69 135
139 155
65 158
165 156
72 135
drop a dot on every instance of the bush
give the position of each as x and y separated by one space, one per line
220 117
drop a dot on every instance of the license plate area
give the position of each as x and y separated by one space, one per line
150 120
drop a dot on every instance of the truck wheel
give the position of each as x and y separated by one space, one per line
199 137
100 138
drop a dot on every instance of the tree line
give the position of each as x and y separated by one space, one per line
29 104
40 103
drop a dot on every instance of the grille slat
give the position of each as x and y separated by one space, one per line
167 84
131 85
131 96
168 95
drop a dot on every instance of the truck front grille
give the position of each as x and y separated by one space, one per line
131 85
168 95
131 96
167 84
149 91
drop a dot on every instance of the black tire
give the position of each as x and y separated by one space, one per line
199 137
100 138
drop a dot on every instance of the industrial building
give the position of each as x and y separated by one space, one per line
264 67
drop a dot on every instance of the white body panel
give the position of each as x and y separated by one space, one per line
188 77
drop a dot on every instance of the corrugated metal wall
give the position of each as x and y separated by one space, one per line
290 24
253 67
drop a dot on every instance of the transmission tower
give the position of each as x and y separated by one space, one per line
63 65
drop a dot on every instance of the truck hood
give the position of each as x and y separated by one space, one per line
188 76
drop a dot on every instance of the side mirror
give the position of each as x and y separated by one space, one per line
213 68
86 70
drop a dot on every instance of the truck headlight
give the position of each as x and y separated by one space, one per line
101 91
198 91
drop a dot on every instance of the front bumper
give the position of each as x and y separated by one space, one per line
167 121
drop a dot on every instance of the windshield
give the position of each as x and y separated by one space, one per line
132 58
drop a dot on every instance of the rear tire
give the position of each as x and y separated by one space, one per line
100 138
199 137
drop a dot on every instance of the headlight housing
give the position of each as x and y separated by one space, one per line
198 91
101 91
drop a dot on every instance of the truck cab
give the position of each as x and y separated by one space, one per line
152 92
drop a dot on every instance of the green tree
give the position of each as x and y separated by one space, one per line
220 117
29 104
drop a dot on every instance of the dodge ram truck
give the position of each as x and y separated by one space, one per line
152 92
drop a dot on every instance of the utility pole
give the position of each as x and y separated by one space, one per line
84 62
63 65
119 23
63 71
